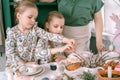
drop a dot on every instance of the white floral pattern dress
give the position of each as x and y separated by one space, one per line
43 46
21 46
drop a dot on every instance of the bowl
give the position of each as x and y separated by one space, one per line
73 66
103 72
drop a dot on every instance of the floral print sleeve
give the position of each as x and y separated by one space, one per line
42 49
12 55
48 36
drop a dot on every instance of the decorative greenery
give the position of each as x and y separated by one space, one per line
95 60
88 76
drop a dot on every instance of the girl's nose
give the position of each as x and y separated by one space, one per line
59 31
33 20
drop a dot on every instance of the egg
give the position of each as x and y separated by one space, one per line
22 68
31 70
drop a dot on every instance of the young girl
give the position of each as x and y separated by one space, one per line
116 39
22 39
54 23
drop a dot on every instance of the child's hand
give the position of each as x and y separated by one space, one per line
58 58
72 42
68 48
69 41
29 63
65 48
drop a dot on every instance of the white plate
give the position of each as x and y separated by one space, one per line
39 69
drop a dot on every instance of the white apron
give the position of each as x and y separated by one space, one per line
81 34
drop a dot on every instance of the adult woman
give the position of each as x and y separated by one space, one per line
78 15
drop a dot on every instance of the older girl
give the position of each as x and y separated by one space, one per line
22 39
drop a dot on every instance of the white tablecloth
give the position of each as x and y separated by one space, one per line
51 74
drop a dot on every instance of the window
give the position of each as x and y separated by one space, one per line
110 6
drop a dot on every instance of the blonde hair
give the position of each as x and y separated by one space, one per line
53 14
21 6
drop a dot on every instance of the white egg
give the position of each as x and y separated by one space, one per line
31 70
22 68
111 47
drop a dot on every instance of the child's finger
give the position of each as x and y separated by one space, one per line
69 48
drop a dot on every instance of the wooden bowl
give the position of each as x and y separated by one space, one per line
103 72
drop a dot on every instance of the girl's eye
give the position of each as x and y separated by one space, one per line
55 26
29 17
61 27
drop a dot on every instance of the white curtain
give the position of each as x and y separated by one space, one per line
110 6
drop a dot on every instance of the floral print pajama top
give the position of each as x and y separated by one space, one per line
21 46
44 45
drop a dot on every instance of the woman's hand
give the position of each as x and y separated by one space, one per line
101 46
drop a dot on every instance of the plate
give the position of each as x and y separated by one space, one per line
37 69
